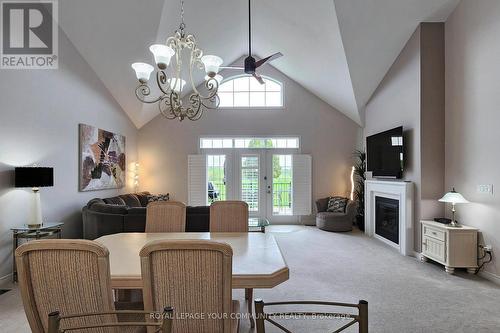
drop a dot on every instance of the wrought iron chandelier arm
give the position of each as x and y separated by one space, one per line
161 81
142 91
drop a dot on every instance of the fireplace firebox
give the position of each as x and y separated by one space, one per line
387 218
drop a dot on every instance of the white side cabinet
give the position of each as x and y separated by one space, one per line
450 246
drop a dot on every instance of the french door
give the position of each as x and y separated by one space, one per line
265 183
275 183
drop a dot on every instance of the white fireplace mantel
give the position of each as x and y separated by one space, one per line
393 189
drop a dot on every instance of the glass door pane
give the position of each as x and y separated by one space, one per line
216 176
250 177
282 177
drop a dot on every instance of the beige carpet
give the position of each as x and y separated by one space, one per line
404 295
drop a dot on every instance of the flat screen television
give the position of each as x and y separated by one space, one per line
385 154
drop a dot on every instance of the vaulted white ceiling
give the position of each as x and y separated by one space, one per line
339 50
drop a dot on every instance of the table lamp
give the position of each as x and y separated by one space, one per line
453 197
34 177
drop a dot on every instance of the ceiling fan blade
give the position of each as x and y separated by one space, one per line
232 67
259 78
268 59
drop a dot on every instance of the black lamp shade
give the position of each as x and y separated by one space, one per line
34 177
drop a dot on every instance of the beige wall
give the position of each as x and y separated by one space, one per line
432 120
396 102
472 115
325 133
39 117
412 95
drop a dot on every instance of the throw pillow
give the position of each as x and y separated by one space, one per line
131 200
159 197
337 204
143 198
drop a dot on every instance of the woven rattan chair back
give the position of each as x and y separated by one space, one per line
194 277
229 216
69 276
166 216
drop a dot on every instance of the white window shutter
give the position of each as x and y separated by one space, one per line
197 180
302 184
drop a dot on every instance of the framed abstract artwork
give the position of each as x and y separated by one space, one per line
102 159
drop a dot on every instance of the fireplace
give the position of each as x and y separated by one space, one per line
387 218
380 204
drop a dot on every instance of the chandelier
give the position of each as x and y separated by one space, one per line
169 59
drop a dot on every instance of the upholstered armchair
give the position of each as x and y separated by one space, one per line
330 221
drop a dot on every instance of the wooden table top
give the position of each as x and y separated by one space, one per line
257 259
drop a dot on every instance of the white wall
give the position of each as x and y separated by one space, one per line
472 115
39 117
326 134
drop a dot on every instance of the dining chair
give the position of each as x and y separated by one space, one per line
352 318
195 277
71 277
232 216
229 216
166 216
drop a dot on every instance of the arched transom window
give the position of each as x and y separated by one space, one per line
247 92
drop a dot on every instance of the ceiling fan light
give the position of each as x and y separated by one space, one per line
142 71
212 64
176 84
162 54
217 78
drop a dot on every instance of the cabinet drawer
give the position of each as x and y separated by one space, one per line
434 233
434 249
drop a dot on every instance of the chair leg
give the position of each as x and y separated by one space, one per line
259 313
247 292
249 299
363 316
54 322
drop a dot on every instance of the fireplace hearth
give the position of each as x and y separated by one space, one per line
387 218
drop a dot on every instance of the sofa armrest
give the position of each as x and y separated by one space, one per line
322 204
97 224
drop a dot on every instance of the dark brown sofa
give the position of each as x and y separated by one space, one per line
127 213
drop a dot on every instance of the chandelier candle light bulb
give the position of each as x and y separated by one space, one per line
162 54
176 85
212 64
142 71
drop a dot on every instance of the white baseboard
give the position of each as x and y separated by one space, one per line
490 276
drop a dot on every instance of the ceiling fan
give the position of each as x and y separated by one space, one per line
250 63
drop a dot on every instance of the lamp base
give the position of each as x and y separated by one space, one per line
455 224
35 220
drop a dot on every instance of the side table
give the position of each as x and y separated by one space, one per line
25 232
257 224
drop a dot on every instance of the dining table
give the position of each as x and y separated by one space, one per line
257 259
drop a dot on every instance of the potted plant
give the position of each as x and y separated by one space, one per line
359 188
